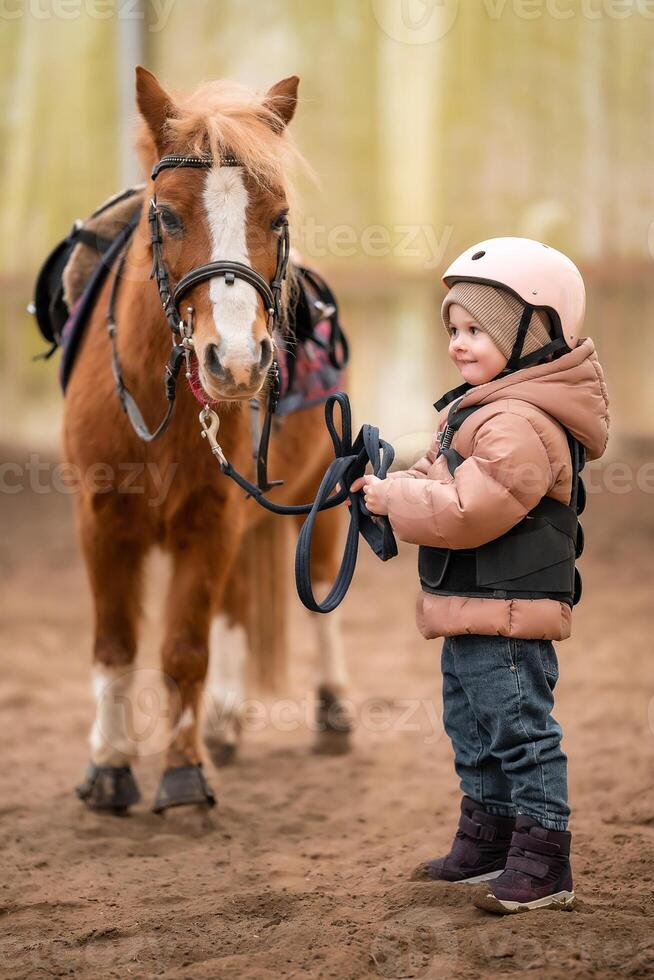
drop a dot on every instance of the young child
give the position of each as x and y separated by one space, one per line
494 506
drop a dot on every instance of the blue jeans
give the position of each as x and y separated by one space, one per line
497 703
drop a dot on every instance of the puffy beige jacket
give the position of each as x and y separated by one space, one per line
516 452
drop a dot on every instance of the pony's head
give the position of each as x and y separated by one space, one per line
222 213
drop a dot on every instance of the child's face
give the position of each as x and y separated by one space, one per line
471 348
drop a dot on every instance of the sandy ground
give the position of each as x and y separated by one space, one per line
303 868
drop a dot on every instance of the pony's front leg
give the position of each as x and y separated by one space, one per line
200 567
114 555
333 722
228 649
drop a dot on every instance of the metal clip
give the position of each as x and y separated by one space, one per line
210 425
186 334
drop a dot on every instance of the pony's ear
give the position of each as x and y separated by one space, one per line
282 100
155 105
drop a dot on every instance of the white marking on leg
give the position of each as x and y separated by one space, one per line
332 668
187 720
225 689
234 306
111 744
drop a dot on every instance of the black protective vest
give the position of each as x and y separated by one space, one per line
533 560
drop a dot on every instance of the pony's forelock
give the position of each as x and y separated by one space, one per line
222 117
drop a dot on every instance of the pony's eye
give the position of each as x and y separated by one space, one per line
170 220
279 220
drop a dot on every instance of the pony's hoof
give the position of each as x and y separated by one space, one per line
332 743
109 788
334 726
183 786
222 752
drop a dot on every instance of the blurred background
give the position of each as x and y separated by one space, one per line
431 124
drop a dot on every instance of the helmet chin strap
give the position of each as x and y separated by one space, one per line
516 362
519 342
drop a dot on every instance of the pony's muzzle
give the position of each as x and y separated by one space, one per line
237 377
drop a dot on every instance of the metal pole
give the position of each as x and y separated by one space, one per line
130 51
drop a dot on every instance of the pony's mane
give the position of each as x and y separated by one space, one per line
223 117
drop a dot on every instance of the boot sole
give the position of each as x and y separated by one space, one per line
563 901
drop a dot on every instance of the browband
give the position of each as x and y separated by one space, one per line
173 160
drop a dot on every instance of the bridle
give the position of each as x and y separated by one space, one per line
351 456
270 293
181 326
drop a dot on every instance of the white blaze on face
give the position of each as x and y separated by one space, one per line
235 306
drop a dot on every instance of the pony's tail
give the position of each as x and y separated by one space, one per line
261 591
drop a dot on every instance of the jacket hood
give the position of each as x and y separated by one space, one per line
571 389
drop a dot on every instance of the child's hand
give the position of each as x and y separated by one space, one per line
374 494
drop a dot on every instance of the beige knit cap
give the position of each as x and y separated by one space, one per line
499 313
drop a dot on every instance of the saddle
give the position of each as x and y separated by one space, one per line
312 351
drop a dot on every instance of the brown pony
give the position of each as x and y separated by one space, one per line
225 212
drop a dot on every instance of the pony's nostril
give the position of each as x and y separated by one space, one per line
212 361
266 351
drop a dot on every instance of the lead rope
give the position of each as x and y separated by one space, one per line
350 462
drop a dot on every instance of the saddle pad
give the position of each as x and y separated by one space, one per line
73 329
313 376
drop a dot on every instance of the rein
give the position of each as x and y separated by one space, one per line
351 458
350 462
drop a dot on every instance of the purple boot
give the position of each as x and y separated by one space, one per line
479 848
537 875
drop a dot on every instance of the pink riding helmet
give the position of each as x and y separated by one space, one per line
537 274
